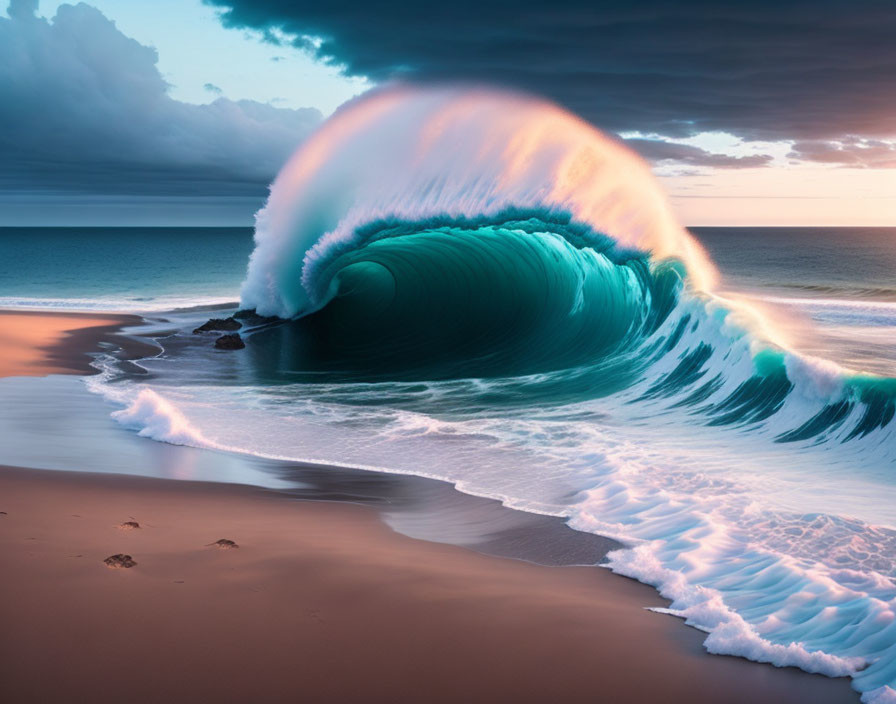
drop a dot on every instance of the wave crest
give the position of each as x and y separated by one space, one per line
413 154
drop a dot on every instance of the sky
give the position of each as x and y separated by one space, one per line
182 111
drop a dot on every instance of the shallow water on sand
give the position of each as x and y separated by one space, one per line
84 438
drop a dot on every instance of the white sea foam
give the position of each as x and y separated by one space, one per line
154 417
855 304
729 633
113 305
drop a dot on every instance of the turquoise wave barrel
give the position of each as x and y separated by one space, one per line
449 298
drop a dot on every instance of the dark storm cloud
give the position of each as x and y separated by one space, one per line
661 152
768 69
83 107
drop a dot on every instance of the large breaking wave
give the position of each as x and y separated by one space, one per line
467 278
461 233
412 155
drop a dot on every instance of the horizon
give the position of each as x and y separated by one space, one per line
251 227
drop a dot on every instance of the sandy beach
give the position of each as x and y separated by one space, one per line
320 601
38 343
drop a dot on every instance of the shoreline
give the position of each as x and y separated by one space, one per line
38 343
323 600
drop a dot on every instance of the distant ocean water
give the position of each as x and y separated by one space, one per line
842 279
129 268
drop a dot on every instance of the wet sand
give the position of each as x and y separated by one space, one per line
37 343
321 601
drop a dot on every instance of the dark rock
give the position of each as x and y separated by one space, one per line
119 562
224 544
129 525
222 324
253 319
230 342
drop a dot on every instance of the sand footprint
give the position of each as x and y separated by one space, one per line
223 544
119 562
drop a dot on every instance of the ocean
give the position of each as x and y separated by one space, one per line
725 509
840 280
537 329
112 268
